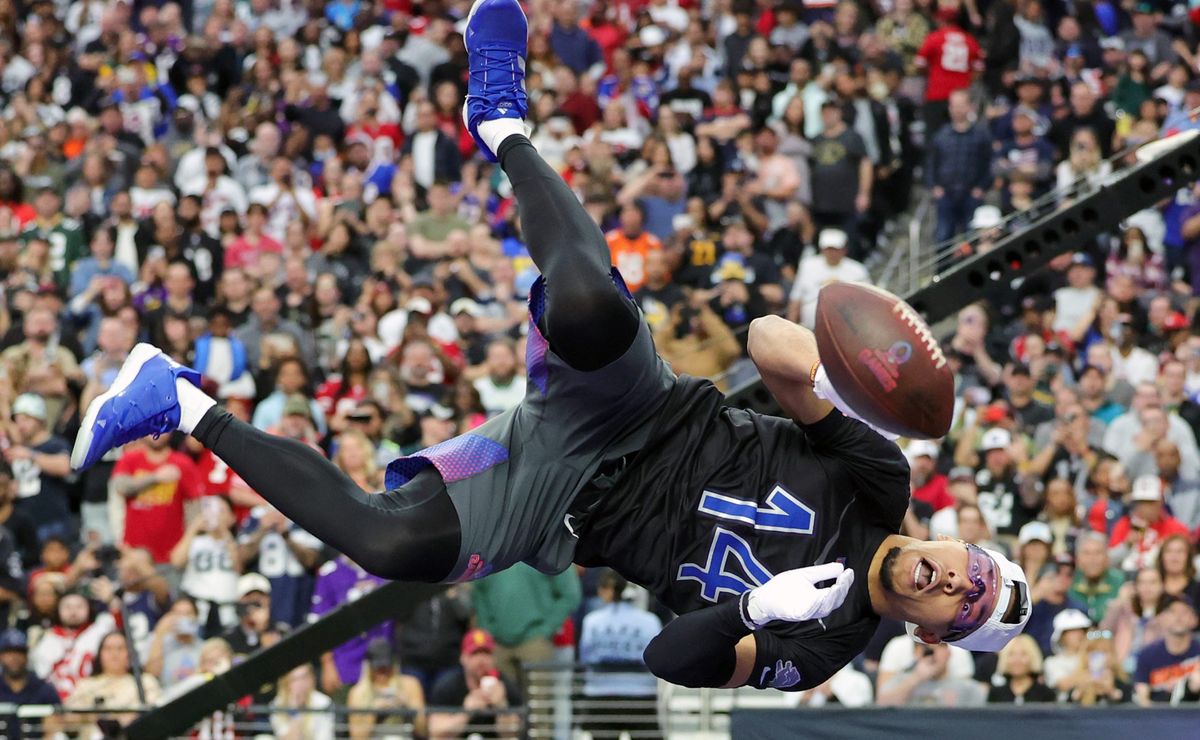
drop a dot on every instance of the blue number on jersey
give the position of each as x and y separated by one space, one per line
782 512
715 578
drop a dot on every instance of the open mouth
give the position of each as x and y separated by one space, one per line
925 575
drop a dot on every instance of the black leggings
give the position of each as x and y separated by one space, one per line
412 533
594 322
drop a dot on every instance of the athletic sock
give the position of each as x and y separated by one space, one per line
193 404
496 131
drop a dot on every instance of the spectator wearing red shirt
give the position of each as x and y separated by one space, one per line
928 485
1138 535
244 251
155 481
950 57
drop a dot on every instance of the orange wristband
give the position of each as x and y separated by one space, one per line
812 374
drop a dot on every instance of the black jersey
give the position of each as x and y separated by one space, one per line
722 499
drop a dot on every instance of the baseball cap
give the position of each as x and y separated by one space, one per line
994 414
1171 599
478 640
467 306
1115 43
1147 488
1067 620
732 267
652 36
1039 531
1057 564
13 639
832 239
297 405
437 411
1000 581
1175 321
251 582
420 305
682 222
1082 258
379 653
995 439
987 217
961 472
1144 8
30 404
921 448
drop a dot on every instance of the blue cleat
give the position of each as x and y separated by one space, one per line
142 401
496 38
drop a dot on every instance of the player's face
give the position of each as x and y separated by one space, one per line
937 586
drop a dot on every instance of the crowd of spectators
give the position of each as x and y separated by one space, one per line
282 195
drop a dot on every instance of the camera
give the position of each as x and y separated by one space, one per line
684 326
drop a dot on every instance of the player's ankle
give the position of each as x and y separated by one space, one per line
494 132
193 405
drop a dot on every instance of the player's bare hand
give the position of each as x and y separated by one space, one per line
792 596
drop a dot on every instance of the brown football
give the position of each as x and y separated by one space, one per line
883 360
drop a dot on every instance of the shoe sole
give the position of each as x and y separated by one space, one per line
140 355
471 14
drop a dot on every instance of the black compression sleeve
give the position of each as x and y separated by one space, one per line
698 649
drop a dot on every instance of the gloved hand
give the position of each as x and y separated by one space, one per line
792 596
823 388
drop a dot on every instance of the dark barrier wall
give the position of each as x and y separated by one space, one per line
928 723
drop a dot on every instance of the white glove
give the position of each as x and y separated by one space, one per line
823 388
792 597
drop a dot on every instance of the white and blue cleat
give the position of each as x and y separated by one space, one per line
497 38
142 401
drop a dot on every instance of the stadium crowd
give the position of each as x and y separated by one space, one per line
282 195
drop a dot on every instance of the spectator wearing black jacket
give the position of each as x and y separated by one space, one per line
1085 112
428 643
959 168
435 156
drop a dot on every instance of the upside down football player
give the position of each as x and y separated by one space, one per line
775 539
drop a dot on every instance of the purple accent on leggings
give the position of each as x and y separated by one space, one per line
536 344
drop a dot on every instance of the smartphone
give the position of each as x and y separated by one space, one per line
1096 663
210 509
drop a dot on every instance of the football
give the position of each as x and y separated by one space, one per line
883 360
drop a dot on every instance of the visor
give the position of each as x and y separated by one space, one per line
980 601
980 624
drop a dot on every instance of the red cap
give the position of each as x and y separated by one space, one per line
994 414
478 640
1175 321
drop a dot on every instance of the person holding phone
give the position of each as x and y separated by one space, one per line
208 556
285 200
480 689
1100 679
